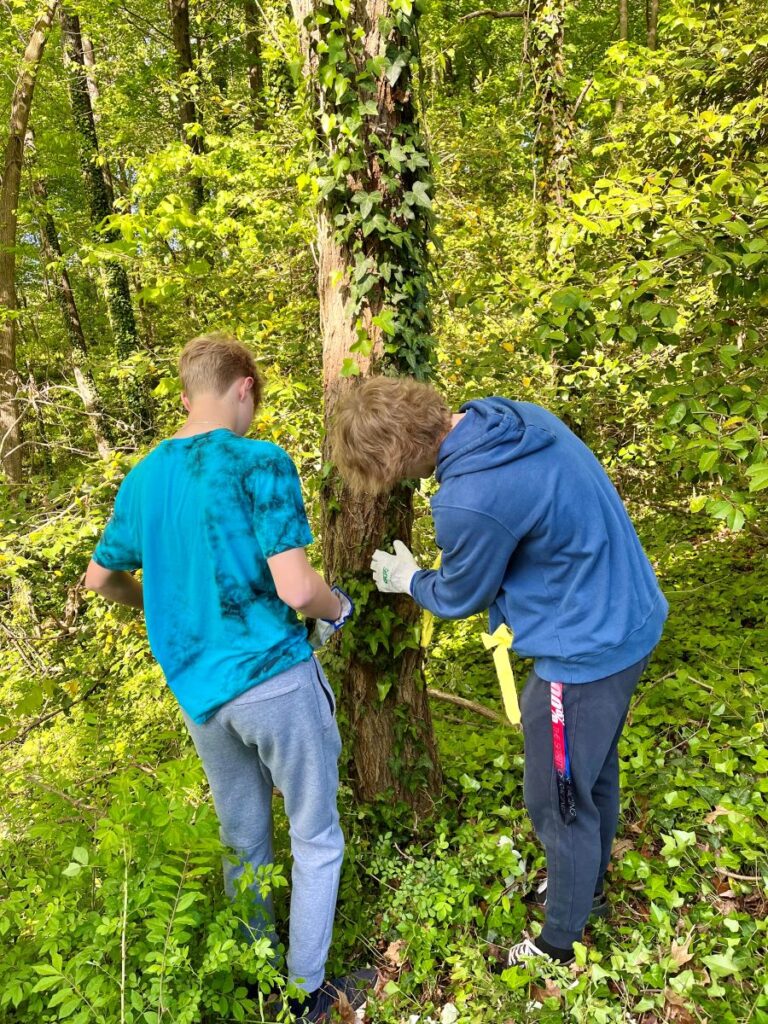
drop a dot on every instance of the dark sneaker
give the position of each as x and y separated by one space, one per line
527 951
538 898
352 989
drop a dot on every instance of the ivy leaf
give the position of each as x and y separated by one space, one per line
350 368
395 69
722 964
386 321
420 195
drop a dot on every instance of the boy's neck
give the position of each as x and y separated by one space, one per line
207 416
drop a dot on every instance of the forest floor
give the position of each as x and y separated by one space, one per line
112 908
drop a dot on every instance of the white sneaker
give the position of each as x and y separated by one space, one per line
527 950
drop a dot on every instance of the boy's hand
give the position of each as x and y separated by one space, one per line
324 628
393 574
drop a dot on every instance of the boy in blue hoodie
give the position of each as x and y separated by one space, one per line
532 529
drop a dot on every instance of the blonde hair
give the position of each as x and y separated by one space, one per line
213 361
384 429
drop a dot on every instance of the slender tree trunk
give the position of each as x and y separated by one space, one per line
89 61
255 63
652 23
623 36
21 103
179 12
52 254
383 694
99 196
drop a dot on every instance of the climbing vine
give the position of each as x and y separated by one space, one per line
372 172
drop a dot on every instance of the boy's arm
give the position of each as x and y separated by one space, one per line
303 589
114 585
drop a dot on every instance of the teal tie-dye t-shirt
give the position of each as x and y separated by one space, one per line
201 515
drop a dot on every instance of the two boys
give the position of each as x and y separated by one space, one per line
530 528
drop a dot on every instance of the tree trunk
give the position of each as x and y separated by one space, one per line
372 275
52 254
623 36
553 142
21 103
179 11
89 61
99 196
652 23
255 63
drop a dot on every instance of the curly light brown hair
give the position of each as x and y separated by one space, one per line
387 429
213 361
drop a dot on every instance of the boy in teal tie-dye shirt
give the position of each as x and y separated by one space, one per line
217 524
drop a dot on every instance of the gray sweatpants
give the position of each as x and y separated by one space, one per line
282 732
577 852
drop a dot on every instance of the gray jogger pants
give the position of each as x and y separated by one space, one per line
282 732
578 852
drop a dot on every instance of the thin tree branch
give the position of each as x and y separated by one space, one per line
469 705
488 12
52 714
582 96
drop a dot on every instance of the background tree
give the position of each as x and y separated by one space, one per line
21 103
100 204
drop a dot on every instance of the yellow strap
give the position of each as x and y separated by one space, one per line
427 618
499 641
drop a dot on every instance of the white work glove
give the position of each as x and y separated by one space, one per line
325 628
392 574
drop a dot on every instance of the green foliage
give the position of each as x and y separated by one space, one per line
643 325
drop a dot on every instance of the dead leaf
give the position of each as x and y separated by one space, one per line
549 991
675 1008
344 1010
395 952
726 907
620 847
715 814
680 954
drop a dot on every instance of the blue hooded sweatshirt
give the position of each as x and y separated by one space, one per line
532 529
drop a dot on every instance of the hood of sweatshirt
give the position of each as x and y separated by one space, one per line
493 432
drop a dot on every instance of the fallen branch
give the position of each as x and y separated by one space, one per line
739 878
487 12
469 705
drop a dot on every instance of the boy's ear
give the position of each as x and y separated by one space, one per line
246 385
185 401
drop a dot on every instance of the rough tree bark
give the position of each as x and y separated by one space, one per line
21 103
99 196
179 12
393 745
